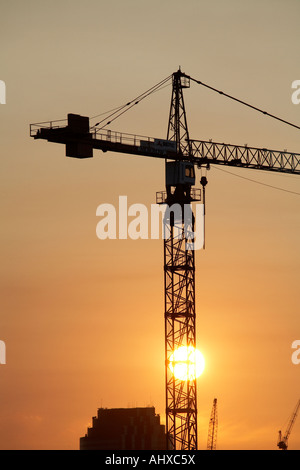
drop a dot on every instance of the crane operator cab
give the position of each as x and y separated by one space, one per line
180 177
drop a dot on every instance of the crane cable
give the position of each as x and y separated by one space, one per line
241 102
124 108
117 112
258 182
256 109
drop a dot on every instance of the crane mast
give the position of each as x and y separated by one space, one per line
181 155
179 280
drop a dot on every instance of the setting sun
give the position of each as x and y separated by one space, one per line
187 363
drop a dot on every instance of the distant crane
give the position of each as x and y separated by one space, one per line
181 155
213 427
283 441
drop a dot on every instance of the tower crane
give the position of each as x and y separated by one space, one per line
213 427
181 155
282 442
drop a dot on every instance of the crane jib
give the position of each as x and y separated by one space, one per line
80 143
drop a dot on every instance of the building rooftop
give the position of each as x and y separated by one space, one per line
125 429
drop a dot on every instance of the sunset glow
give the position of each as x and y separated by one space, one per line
187 363
90 292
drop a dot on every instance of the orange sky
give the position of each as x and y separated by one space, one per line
82 319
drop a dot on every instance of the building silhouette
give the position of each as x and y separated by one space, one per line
125 429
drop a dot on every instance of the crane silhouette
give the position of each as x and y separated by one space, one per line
182 155
213 427
282 442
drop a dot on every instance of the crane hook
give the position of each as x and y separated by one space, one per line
203 182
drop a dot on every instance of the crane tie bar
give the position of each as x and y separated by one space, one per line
241 102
